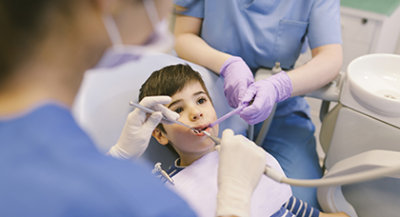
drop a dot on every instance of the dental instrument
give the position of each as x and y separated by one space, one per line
136 105
213 138
157 168
229 114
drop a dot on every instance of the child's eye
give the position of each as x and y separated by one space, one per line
178 110
201 100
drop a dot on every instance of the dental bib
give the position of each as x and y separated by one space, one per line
197 184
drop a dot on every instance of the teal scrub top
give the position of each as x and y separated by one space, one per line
263 32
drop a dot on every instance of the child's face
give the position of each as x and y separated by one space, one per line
195 109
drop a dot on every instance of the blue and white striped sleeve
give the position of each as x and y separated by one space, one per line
300 208
283 212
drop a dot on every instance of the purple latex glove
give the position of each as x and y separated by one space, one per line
238 77
266 93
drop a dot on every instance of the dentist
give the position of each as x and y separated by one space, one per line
48 165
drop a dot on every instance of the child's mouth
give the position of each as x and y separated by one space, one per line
200 130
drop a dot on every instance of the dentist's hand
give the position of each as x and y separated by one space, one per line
241 164
266 93
136 134
238 78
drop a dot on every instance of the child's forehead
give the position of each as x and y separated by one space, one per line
190 88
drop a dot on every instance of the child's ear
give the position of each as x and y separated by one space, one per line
159 135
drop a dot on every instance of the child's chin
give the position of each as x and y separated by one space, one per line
208 149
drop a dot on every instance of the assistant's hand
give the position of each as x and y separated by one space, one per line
136 134
238 77
266 93
241 164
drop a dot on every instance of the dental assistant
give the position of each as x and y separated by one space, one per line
235 38
48 165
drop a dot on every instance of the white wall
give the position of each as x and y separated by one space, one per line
398 47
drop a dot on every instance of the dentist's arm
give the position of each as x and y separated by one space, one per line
139 125
241 165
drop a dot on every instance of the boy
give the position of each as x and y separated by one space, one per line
191 100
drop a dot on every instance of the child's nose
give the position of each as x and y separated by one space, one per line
196 114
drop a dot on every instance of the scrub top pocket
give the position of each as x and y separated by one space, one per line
290 38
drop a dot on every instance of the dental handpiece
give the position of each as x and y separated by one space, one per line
150 111
213 138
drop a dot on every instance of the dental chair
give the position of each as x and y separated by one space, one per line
102 103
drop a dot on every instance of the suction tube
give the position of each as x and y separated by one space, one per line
340 180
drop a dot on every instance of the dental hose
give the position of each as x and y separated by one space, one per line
334 181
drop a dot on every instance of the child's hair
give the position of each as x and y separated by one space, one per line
170 80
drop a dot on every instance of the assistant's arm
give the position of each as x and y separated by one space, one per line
324 37
190 46
320 70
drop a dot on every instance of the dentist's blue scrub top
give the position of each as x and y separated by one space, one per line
50 167
263 32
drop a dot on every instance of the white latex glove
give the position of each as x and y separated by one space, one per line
241 165
139 125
